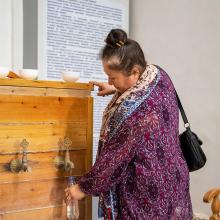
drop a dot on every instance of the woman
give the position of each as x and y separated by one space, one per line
139 172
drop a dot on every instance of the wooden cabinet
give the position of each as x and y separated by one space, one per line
43 113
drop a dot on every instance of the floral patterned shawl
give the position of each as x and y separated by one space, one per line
142 84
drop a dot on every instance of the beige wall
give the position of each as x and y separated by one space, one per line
184 38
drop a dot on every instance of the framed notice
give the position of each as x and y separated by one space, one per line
72 32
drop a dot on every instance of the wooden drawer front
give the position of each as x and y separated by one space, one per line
43 121
38 198
44 109
42 166
41 137
33 194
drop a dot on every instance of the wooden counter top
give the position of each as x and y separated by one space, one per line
45 84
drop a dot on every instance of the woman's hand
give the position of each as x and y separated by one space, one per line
104 88
73 192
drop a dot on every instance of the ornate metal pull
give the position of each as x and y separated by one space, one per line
16 165
63 162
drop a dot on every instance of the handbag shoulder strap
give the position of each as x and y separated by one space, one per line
183 114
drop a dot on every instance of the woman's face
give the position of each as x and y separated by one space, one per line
118 79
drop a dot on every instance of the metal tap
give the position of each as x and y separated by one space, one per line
63 162
24 144
68 163
17 165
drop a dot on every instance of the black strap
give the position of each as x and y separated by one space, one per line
183 114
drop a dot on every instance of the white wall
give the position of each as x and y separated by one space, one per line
5 36
11 37
183 38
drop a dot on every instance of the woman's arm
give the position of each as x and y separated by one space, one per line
108 170
111 165
104 88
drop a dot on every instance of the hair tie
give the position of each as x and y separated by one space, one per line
120 43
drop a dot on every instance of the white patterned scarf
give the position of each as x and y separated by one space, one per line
142 84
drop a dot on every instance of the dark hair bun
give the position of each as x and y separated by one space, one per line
115 36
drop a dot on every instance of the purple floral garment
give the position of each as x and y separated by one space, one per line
142 162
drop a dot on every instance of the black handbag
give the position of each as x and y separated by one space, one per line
190 144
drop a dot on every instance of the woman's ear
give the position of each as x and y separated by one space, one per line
136 71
